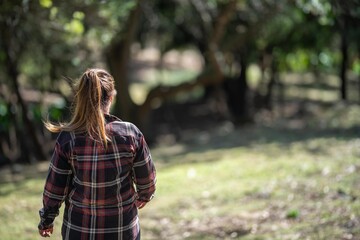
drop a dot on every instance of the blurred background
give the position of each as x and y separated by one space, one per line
252 106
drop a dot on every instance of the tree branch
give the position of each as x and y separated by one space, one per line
205 79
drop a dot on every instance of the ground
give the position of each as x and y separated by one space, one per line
260 181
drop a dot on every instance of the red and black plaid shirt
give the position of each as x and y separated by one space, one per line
99 186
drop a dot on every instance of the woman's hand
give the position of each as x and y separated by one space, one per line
46 232
140 204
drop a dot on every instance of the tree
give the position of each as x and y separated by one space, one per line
208 46
12 47
347 19
42 41
37 42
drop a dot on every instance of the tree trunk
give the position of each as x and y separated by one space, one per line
12 47
31 136
213 75
271 84
344 62
10 147
118 56
237 92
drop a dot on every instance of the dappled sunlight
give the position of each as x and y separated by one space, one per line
250 109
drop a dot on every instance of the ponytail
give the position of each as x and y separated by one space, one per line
92 96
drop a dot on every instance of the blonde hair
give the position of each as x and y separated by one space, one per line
92 95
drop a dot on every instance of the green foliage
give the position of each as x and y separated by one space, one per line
46 3
300 35
356 66
293 214
45 40
75 26
298 61
56 113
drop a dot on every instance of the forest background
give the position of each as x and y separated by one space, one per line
253 105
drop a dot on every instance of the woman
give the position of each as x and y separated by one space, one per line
101 167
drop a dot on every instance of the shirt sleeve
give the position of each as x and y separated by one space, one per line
56 186
144 172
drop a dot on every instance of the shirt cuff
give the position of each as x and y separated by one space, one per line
47 217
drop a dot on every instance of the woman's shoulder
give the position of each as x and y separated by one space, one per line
124 128
65 137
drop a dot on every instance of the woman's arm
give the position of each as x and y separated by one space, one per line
144 173
56 187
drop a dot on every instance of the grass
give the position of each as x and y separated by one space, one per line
246 183
274 180
264 190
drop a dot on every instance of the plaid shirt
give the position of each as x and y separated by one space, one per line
99 186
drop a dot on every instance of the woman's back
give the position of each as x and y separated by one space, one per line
102 174
102 180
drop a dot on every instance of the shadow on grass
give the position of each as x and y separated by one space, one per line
19 181
266 135
199 130
253 137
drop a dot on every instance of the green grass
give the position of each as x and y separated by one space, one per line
254 182
302 189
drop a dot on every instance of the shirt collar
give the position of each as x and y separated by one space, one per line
111 118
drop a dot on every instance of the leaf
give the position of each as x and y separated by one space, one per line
75 26
45 3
